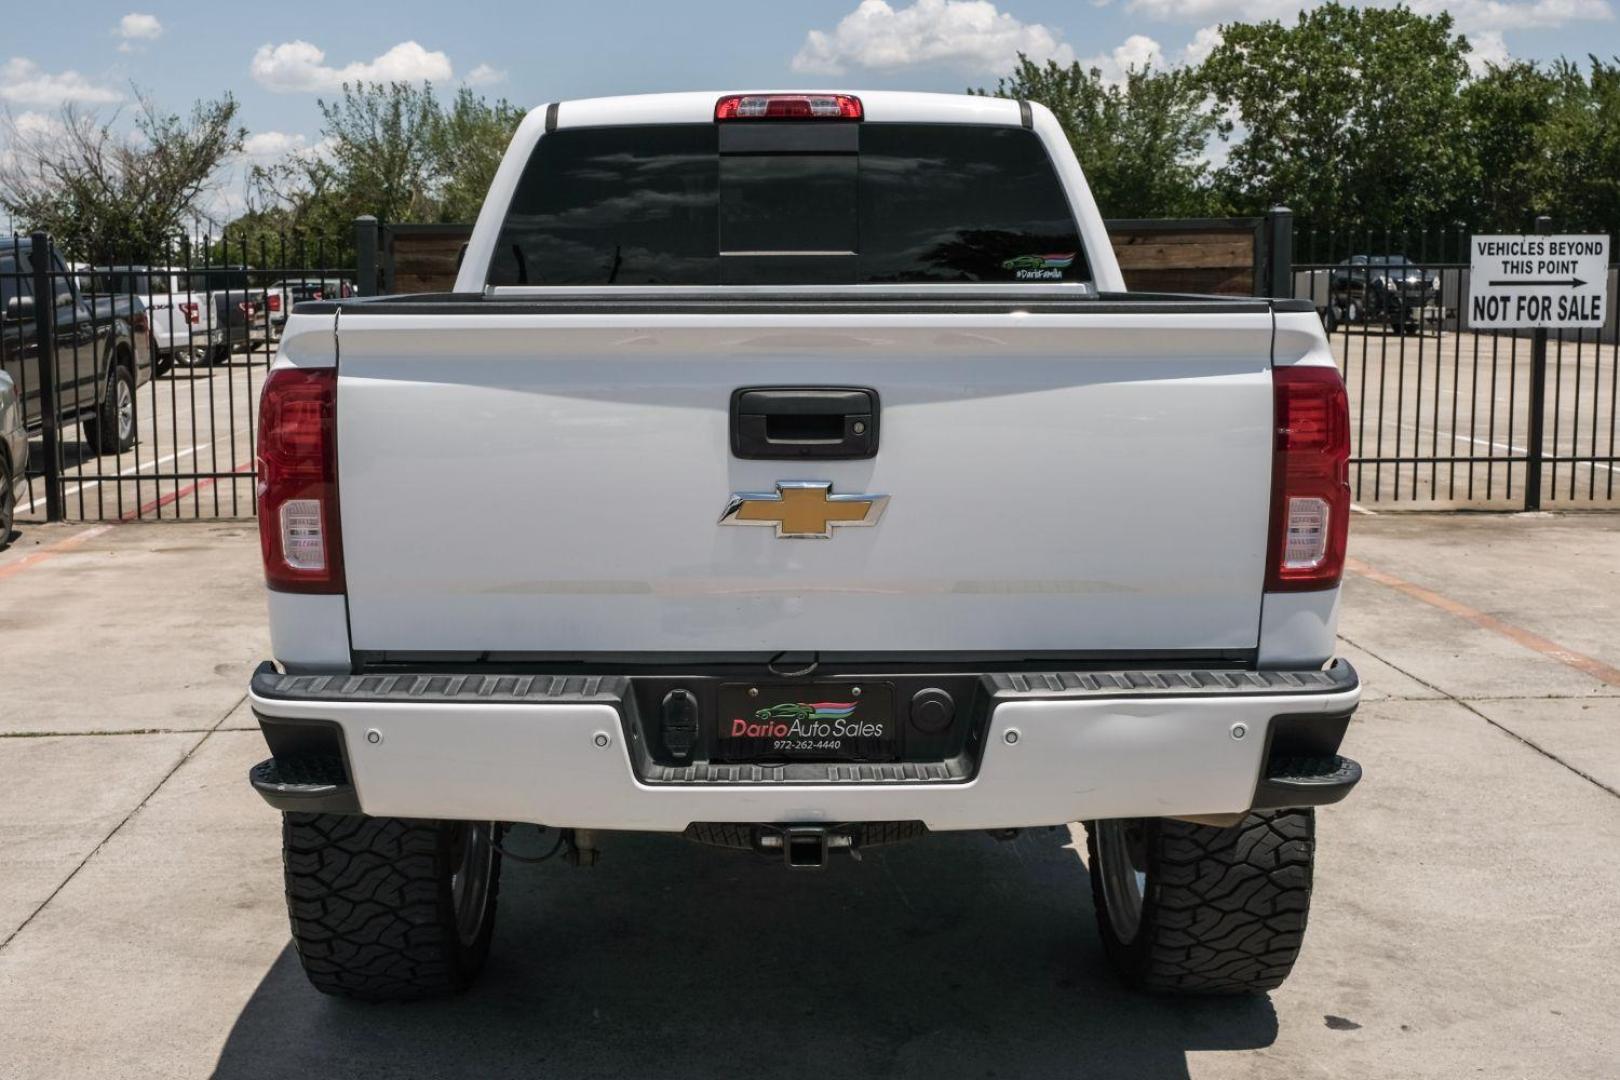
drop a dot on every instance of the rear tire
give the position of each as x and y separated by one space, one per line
390 909
111 430
1194 909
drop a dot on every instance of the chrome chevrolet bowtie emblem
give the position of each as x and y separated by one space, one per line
803 510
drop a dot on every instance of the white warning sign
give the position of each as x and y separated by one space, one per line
1535 280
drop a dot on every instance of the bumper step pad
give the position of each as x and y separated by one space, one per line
308 783
1306 781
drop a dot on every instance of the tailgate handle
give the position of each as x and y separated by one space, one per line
787 422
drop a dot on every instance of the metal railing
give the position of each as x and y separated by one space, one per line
1444 415
139 378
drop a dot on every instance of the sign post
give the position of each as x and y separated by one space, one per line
1538 281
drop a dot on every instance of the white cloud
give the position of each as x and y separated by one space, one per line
138 27
1475 17
1137 51
1140 51
1203 43
33 123
968 35
1205 10
23 82
484 75
27 128
295 66
271 145
1489 48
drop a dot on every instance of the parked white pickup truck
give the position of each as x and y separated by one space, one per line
197 315
792 471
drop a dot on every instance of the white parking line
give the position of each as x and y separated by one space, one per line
139 465
1496 445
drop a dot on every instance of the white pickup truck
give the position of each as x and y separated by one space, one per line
196 315
793 472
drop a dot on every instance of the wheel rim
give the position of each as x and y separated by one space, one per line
473 859
126 409
1122 862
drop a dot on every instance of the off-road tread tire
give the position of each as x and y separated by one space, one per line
101 428
370 907
1225 909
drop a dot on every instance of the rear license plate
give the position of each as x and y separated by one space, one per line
807 721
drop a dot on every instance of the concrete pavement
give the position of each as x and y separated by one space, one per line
1463 922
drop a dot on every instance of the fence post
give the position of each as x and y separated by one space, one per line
1538 401
39 254
365 246
1280 253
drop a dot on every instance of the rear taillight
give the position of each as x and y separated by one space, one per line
248 308
274 300
190 312
1310 479
788 107
140 322
298 495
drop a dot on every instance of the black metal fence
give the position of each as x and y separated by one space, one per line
1447 416
139 379
138 373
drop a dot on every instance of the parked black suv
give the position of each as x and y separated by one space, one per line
1389 289
102 349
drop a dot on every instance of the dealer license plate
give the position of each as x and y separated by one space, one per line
838 721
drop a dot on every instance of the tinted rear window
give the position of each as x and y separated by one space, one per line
220 279
829 203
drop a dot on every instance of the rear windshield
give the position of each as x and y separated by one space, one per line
788 203
124 282
220 278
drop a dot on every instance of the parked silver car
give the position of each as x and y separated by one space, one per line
13 455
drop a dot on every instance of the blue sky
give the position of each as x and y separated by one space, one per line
279 58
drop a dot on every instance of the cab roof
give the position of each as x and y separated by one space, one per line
697 107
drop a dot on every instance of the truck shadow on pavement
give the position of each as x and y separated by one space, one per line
950 956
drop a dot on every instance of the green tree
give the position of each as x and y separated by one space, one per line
375 156
1506 112
1581 146
106 192
388 150
468 143
1141 141
1351 116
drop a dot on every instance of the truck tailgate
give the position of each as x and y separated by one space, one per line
541 482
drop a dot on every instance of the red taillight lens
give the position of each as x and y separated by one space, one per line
274 300
788 107
190 312
298 494
248 308
1310 479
